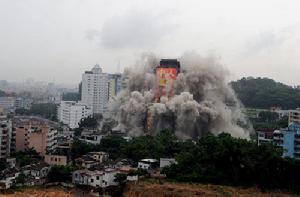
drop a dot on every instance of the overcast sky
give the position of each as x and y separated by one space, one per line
59 39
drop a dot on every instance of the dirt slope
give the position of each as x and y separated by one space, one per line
48 192
146 189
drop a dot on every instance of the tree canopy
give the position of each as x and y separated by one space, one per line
60 174
226 160
71 96
266 93
88 122
46 110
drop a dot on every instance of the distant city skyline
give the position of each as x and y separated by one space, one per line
58 40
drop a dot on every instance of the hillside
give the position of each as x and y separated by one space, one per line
148 189
48 192
266 93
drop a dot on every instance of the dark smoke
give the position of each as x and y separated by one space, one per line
203 100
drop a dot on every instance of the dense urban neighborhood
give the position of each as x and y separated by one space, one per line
69 139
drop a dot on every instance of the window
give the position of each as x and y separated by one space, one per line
92 180
97 177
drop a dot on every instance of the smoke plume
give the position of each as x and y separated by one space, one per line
202 102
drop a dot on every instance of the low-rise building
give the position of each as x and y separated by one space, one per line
91 159
95 178
294 116
164 162
8 178
37 171
148 164
59 160
91 137
99 156
11 162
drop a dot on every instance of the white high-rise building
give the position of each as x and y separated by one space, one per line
71 112
94 90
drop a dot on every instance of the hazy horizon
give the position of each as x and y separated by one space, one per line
51 40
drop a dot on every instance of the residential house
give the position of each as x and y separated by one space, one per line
59 160
95 178
91 137
164 162
91 159
37 173
99 156
11 162
8 178
148 164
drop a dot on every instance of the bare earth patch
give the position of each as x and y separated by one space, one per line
146 189
48 192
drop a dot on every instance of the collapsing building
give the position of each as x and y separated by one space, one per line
189 99
166 73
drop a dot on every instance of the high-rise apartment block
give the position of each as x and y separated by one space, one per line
71 112
94 90
36 135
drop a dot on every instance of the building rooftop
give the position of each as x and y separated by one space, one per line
149 160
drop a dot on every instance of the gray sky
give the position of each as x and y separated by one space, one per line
59 39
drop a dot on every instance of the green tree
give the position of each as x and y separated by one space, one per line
266 93
88 122
114 145
21 179
46 110
70 96
267 116
3 165
80 148
226 160
27 157
60 174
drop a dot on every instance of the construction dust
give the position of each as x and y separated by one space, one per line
201 100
